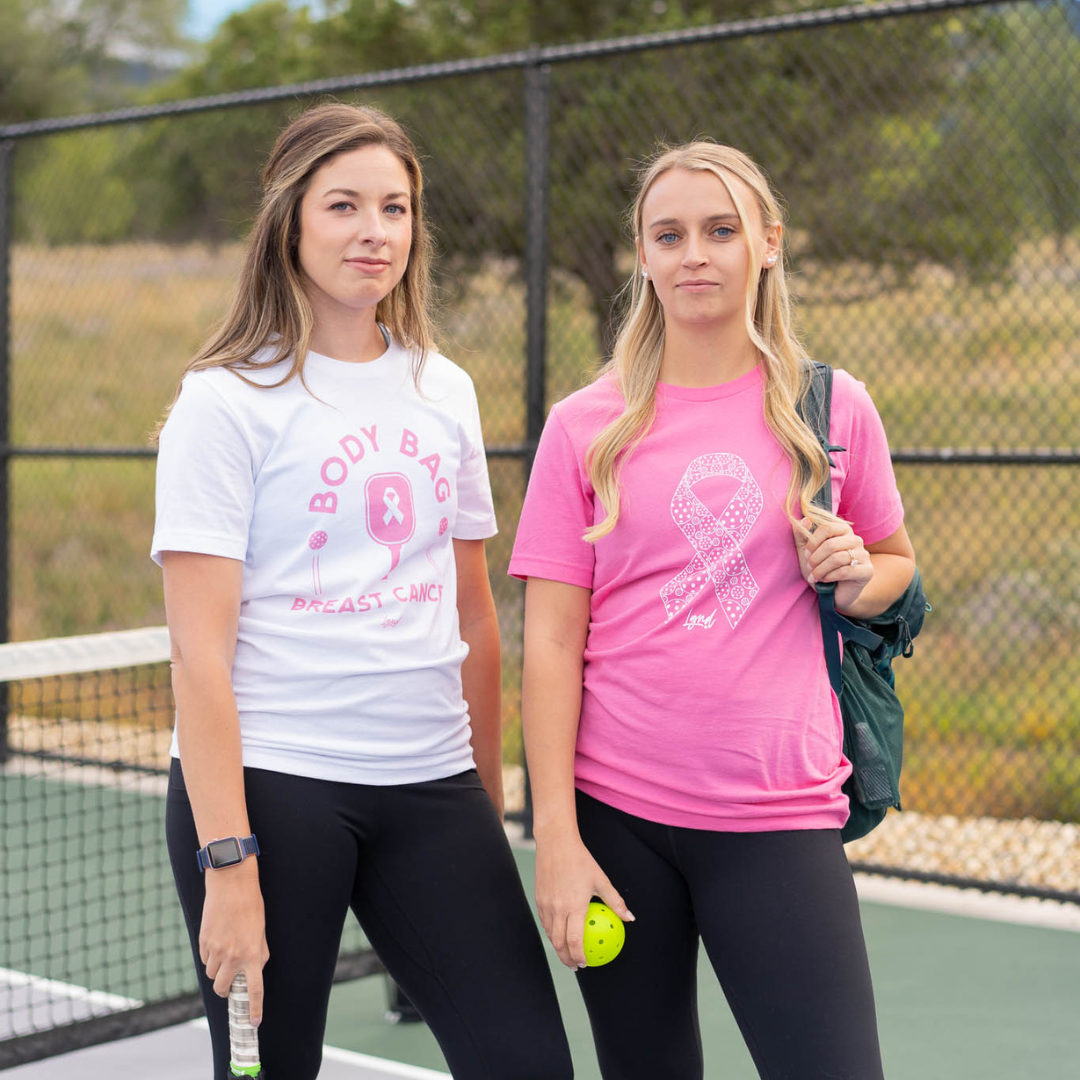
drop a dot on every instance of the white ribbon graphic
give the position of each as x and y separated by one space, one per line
392 501
716 541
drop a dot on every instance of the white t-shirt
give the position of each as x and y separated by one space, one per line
341 500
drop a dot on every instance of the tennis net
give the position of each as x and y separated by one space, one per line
92 942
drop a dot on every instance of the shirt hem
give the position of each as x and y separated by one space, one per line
374 774
885 528
747 820
525 568
197 544
475 532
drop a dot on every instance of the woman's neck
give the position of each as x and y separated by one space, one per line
707 355
357 339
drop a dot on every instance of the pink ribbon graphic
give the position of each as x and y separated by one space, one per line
392 502
716 541
390 513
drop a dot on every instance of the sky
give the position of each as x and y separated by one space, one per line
204 16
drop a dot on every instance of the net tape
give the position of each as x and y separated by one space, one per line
84 653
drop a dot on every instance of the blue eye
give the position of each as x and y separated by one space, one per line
667 238
397 208
341 206
724 231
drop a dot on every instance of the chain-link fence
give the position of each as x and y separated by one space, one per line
930 157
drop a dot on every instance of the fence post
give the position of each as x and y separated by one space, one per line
7 159
537 124
537 117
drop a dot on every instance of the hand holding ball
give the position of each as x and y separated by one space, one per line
604 935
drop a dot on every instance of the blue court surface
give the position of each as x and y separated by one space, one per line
969 987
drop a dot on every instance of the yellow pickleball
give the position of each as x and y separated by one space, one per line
604 935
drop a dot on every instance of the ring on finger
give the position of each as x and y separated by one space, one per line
854 560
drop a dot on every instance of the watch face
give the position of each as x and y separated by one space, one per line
224 852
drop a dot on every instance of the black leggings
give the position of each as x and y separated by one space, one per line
779 917
429 874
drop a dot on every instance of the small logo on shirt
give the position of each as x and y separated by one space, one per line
705 622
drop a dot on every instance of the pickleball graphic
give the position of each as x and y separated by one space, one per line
717 541
390 514
316 541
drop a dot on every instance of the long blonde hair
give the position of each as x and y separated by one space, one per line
639 344
271 318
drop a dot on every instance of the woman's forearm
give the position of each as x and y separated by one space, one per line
208 734
550 705
556 625
202 604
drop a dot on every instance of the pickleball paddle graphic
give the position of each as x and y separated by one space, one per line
390 514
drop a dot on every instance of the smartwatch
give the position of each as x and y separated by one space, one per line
228 851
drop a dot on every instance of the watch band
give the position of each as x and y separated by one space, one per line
227 851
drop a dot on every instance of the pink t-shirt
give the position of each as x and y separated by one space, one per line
706 698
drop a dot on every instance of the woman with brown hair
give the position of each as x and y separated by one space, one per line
322 507
684 744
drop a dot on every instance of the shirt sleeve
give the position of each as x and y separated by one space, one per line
476 509
558 510
869 497
205 477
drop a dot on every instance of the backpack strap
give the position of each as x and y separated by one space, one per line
815 407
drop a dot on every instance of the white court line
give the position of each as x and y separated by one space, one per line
381 1066
973 903
53 988
30 1003
86 775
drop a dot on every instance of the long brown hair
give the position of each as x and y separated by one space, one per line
639 344
271 318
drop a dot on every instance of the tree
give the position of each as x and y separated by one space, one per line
33 82
71 191
807 104
1037 87
862 126
58 55
996 160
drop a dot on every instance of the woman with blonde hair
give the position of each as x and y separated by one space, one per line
322 506
684 744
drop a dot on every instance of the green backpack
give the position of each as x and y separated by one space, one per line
863 681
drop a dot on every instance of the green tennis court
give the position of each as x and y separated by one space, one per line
958 996
968 984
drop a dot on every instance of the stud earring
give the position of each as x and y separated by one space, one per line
645 273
